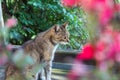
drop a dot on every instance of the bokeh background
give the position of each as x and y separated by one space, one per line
94 27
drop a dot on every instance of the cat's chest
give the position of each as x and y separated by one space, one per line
54 49
52 52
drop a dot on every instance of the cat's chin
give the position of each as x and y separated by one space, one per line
64 43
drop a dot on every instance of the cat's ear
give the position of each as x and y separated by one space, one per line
56 28
65 25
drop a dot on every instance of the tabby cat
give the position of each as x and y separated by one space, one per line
42 50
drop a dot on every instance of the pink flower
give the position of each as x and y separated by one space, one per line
69 3
104 9
78 69
117 7
116 43
114 52
104 44
106 15
72 76
92 4
11 22
103 66
10 47
88 4
117 57
100 50
3 60
96 5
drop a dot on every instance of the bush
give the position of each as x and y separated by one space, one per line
35 16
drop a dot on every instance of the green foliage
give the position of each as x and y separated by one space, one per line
35 16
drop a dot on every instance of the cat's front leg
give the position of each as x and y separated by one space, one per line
40 75
48 69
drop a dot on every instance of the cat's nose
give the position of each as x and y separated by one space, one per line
68 40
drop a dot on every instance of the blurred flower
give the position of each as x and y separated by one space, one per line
88 4
11 22
105 16
78 69
70 3
72 76
114 51
106 48
103 66
3 60
87 52
104 44
117 57
117 7
116 46
96 5
10 47
104 9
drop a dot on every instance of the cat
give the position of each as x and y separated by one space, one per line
42 50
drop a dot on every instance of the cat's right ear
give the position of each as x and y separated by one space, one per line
56 28
65 25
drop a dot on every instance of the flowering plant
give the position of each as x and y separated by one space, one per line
104 38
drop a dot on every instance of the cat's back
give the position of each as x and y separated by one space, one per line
36 43
28 46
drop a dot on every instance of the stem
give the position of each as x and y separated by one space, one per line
1 17
2 28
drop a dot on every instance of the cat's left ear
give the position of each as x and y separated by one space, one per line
56 28
65 25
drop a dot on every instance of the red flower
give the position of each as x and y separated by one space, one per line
87 52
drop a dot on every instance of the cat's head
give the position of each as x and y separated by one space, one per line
60 33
